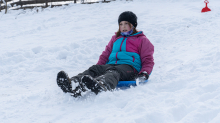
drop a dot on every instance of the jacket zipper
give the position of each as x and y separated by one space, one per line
122 43
120 50
116 58
133 58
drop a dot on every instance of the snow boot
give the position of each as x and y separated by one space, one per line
65 84
105 82
93 85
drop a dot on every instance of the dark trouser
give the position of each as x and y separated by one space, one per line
124 73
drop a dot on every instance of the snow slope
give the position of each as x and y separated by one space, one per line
183 88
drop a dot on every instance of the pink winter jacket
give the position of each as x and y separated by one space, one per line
136 43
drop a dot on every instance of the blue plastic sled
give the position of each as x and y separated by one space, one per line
129 83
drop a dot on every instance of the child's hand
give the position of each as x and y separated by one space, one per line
143 76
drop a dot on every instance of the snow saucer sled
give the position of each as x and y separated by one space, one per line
129 83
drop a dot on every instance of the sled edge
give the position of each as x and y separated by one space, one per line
129 83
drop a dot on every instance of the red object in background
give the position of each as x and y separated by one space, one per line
206 9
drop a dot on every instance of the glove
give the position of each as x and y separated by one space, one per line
142 77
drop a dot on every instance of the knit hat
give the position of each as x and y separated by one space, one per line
128 16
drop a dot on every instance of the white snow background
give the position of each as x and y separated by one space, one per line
184 86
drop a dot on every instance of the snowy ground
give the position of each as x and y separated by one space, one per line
183 88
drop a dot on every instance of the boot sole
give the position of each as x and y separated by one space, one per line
63 82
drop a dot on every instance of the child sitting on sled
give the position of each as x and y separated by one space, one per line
128 55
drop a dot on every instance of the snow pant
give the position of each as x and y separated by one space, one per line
112 73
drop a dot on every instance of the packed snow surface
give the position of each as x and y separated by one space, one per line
184 86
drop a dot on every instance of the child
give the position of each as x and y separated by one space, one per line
129 54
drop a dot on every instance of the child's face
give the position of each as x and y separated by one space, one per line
124 26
